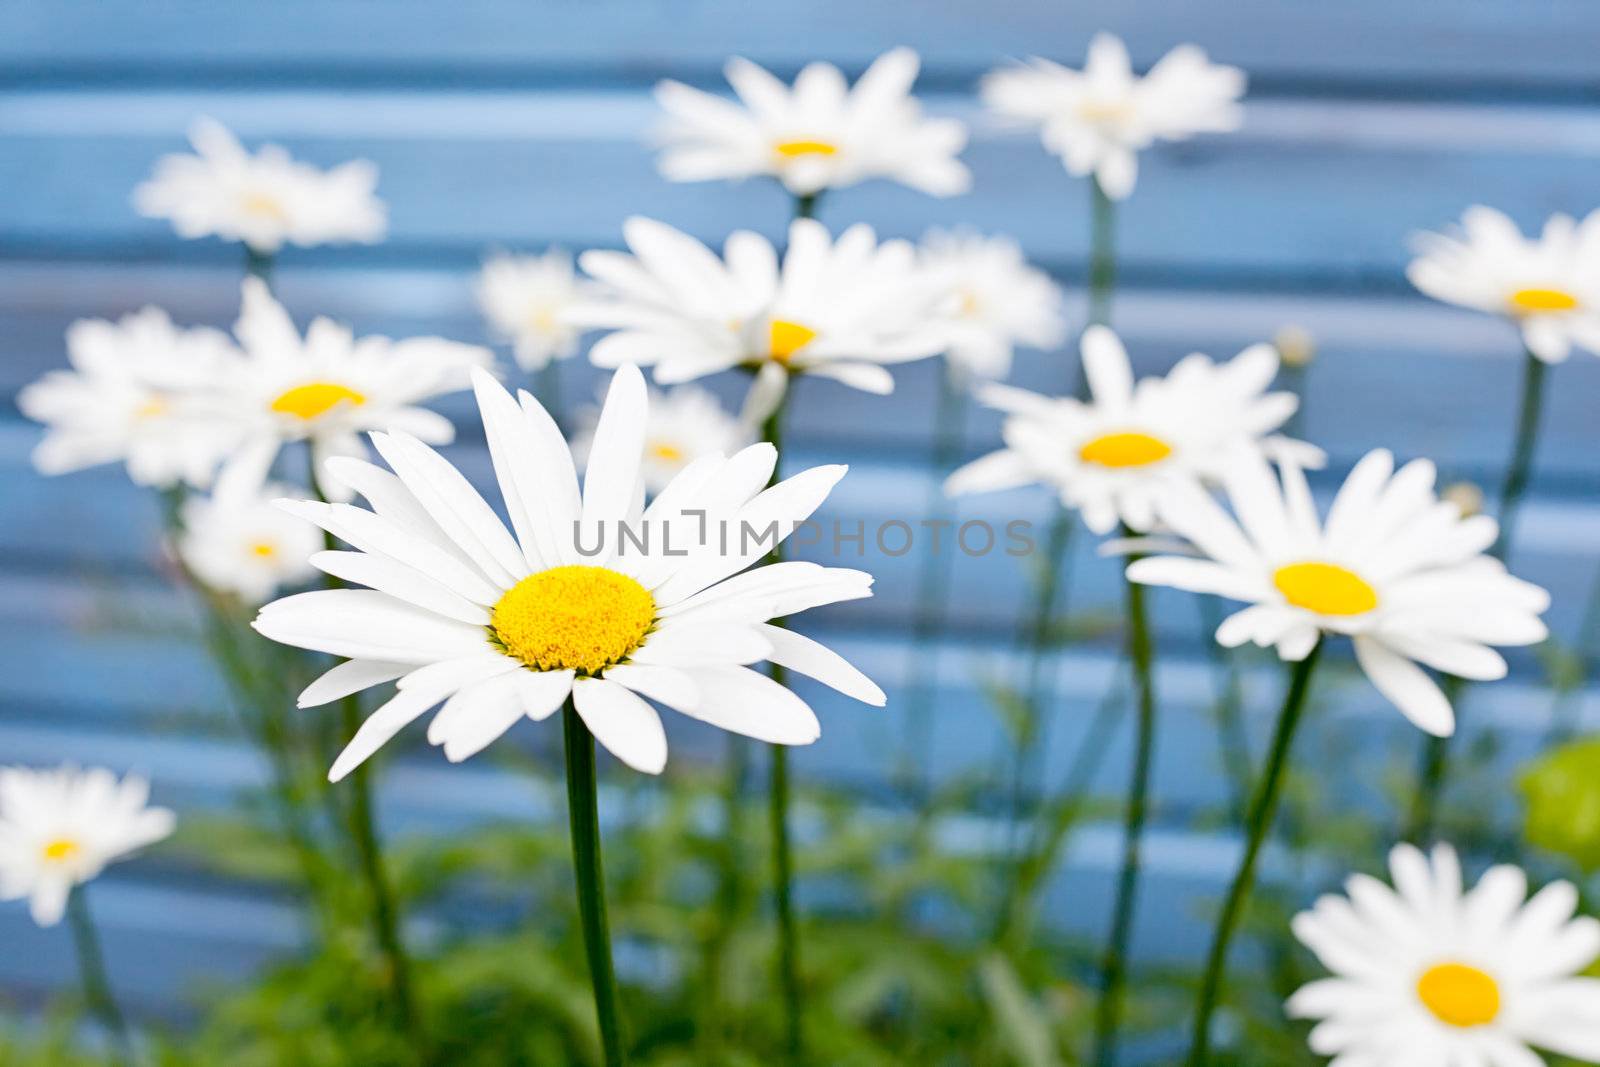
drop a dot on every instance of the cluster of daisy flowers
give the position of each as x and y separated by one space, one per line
492 620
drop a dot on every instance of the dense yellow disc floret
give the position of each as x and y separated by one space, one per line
573 618
315 398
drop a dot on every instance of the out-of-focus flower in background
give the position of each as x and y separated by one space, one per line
836 309
821 134
685 423
59 829
500 626
1549 285
1115 456
1429 972
989 300
265 200
141 391
1395 568
525 299
329 386
239 542
1098 119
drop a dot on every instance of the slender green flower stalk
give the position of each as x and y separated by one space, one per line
1113 966
259 264
1435 769
1263 807
549 390
97 993
933 586
369 854
583 816
1102 255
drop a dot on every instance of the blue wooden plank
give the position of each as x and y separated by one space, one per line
1433 43
1325 206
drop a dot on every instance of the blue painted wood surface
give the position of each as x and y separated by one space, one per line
499 124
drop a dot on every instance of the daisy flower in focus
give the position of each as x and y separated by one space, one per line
240 542
836 309
141 391
1398 570
685 424
525 299
327 387
59 829
989 299
1114 456
266 200
502 624
1427 972
1098 119
821 134
1549 286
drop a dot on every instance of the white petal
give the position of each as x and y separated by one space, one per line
1407 686
814 660
1105 364
621 721
612 476
387 575
740 700
667 685
365 624
351 676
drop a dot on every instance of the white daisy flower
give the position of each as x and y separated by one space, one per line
141 391
819 135
502 624
1394 567
59 829
989 300
1427 973
266 200
1098 119
242 543
1549 286
1116 455
837 309
685 424
525 299
329 386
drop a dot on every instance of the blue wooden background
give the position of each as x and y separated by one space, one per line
518 125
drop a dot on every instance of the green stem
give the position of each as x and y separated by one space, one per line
259 264
1102 255
1564 708
92 971
1263 806
1113 967
1228 708
1435 768
584 817
369 853
933 584
549 389
778 805
805 207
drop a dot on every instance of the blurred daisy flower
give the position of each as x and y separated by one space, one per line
266 200
685 424
503 624
59 829
989 300
1395 568
240 542
1098 119
821 134
525 299
1427 972
1549 286
836 309
1115 456
141 391
328 386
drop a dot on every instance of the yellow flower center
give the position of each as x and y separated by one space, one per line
61 849
970 304
264 549
573 618
1541 301
543 320
796 149
666 451
785 338
1460 995
1325 588
1103 111
316 398
263 206
153 407
1125 449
